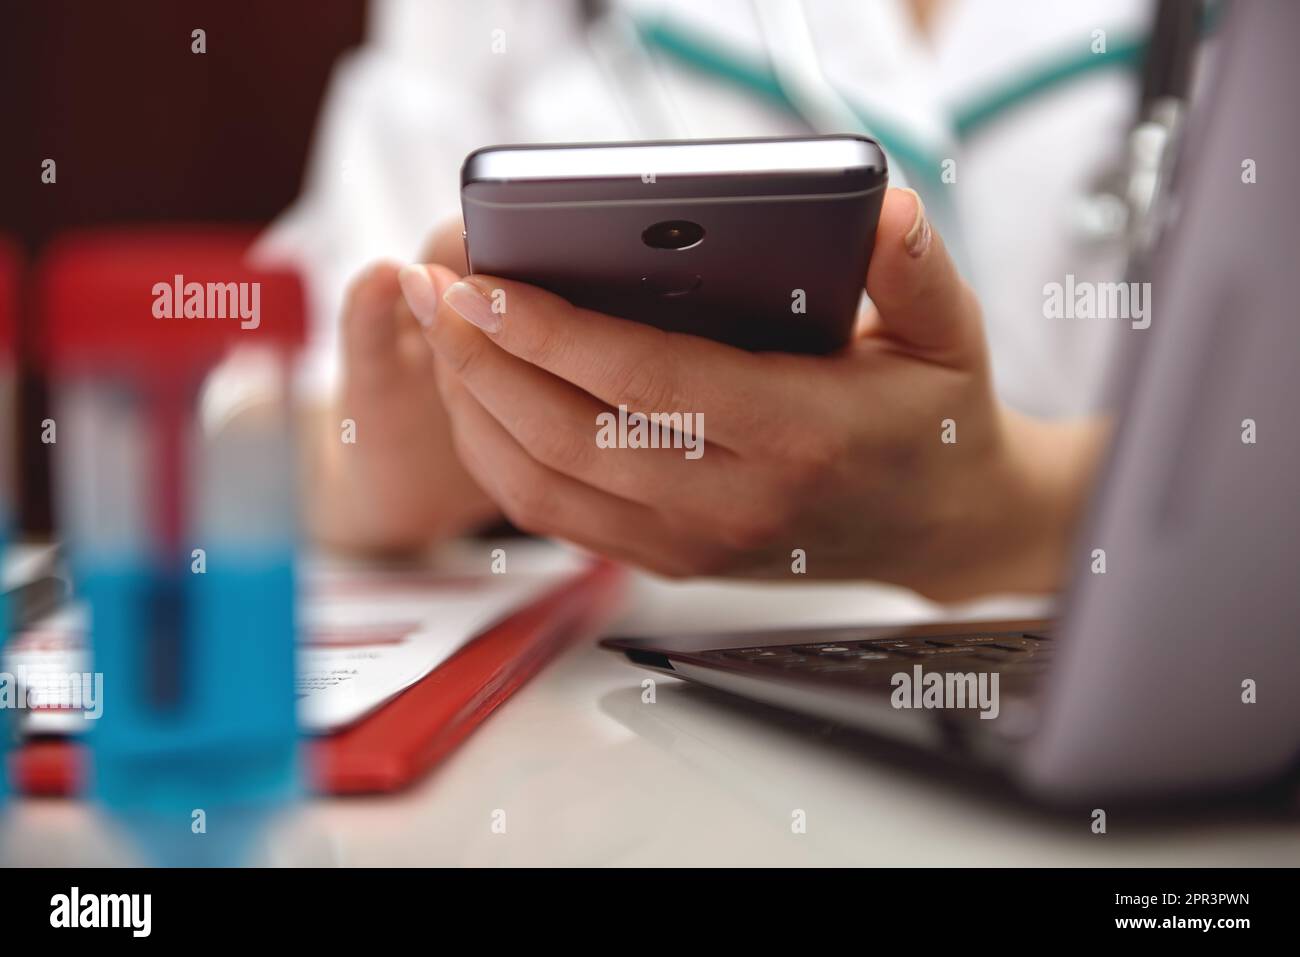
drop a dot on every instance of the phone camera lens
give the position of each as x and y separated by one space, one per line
673 234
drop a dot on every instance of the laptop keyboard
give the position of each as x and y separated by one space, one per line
1015 652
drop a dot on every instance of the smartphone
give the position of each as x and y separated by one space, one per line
759 243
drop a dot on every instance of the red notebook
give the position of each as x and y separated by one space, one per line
407 736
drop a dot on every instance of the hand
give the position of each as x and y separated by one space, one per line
891 460
400 485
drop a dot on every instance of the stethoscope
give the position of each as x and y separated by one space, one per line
1120 207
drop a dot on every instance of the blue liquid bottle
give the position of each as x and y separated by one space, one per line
177 492
8 289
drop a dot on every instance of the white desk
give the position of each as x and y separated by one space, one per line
589 775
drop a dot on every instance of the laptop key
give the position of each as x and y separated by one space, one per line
780 661
1017 644
888 644
747 654
976 639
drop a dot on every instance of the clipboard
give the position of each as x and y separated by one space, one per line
406 737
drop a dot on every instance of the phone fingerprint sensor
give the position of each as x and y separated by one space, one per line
671 284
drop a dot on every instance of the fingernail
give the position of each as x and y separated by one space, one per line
472 303
917 240
420 293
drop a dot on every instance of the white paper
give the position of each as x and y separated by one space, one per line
368 632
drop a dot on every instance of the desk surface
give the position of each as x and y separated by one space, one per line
588 774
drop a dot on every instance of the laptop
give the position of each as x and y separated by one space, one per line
1176 670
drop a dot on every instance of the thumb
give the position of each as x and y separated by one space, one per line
422 287
920 298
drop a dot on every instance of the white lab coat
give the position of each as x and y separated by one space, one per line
436 80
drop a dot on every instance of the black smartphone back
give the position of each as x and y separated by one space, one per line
762 243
